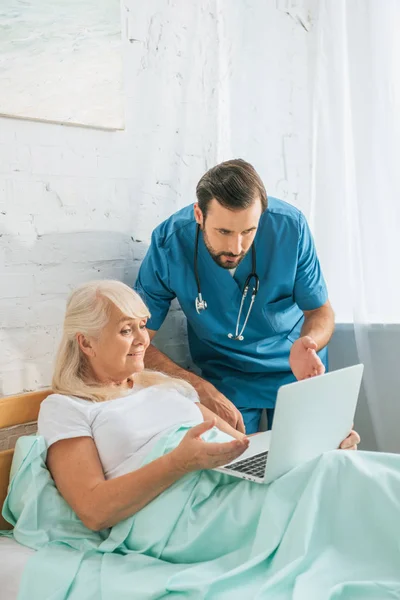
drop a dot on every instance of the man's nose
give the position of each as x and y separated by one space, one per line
235 246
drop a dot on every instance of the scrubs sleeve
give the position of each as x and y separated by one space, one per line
152 283
310 289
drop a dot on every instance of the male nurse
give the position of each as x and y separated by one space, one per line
246 273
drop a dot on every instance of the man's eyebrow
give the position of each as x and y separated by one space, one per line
230 230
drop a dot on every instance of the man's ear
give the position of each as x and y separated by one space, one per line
85 345
198 215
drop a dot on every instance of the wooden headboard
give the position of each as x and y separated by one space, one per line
15 410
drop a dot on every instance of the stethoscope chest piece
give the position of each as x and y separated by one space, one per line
200 304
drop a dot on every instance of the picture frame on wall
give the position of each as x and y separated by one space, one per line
61 62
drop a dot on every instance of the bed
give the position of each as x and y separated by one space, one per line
18 416
309 549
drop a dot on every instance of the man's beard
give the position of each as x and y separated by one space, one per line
217 256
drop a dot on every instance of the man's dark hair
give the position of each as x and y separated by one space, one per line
235 184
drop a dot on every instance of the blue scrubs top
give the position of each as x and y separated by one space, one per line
248 372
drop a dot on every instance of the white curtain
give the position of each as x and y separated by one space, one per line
355 199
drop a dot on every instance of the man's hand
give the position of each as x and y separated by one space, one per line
304 360
350 443
219 404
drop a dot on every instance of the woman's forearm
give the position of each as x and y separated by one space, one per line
119 498
116 499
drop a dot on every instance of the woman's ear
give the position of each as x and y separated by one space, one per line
85 345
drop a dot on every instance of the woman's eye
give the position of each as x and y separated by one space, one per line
126 331
143 326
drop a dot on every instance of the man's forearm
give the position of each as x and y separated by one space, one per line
158 361
319 324
209 396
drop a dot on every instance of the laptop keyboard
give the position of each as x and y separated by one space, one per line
255 465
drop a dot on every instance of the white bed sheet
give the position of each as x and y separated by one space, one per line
13 558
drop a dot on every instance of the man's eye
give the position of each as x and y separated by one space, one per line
223 232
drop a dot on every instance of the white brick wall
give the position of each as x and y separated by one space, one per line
78 204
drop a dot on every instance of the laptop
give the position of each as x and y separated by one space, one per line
311 417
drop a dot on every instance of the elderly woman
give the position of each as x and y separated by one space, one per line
106 414
137 512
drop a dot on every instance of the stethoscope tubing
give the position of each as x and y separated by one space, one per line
201 304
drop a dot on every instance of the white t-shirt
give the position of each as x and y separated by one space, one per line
124 429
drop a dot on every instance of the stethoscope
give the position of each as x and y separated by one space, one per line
201 304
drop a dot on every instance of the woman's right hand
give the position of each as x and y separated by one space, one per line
194 454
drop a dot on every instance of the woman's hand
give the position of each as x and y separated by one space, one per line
194 454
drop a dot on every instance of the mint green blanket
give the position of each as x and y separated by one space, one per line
327 530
